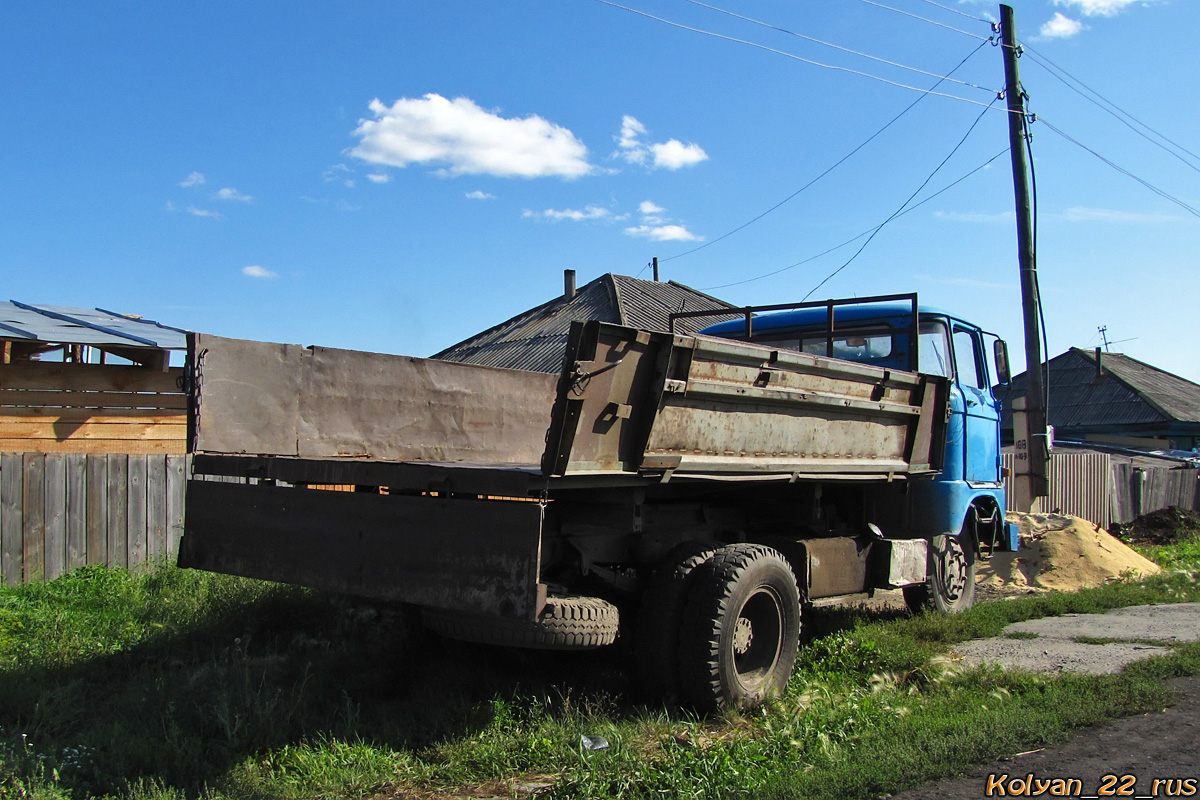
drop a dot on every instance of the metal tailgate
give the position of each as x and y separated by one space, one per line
644 402
276 399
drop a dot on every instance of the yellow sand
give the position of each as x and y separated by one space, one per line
1063 553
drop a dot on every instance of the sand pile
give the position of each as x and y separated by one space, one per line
1062 553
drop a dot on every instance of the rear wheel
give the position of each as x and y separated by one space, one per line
950 587
740 629
566 623
659 618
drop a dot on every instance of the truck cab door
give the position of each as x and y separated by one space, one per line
981 420
936 358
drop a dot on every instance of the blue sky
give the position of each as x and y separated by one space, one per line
397 176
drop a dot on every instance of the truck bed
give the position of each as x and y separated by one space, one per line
627 403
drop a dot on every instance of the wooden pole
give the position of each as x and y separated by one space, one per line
1039 455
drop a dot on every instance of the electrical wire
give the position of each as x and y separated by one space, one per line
961 13
898 211
786 54
868 232
838 46
1160 192
925 19
1122 116
830 169
1037 284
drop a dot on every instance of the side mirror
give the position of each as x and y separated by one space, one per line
1000 352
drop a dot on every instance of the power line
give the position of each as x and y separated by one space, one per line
924 183
961 13
849 242
1122 116
786 54
1160 192
838 46
925 19
836 164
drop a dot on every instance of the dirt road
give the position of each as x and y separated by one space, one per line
1153 755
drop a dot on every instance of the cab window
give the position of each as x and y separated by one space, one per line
966 358
934 352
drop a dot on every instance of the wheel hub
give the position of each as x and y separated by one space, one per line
743 636
955 569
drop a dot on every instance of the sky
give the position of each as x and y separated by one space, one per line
398 176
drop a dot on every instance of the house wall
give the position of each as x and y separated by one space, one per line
53 407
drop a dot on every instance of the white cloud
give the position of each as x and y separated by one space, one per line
648 207
255 271
233 195
1059 27
478 195
968 282
629 140
672 154
1098 8
339 173
1082 214
467 140
663 233
574 215
379 177
193 179
203 212
1006 217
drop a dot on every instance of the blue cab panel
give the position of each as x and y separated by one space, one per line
880 332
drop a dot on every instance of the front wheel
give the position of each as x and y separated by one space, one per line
740 628
950 587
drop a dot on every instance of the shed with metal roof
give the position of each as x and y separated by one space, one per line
83 380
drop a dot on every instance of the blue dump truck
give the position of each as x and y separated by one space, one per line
694 495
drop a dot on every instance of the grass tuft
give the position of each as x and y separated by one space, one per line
179 684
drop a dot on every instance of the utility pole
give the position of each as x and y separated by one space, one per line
1035 405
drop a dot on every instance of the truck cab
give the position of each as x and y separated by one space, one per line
967 494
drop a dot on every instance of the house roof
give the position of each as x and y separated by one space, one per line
1121 392
536 339
90 326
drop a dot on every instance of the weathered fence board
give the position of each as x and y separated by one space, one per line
59 511
1089 485
33 516
11 526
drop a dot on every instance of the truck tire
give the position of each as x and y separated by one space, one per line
950 588
566 623
657 634
740 629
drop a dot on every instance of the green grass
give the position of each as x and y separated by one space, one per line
180 684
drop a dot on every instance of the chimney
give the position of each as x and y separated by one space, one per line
1099 363
569 283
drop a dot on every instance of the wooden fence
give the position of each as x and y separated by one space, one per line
59 511
1147 490
53 407
1091 486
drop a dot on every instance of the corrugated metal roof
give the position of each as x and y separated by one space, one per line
90 326
536 340
1125 392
